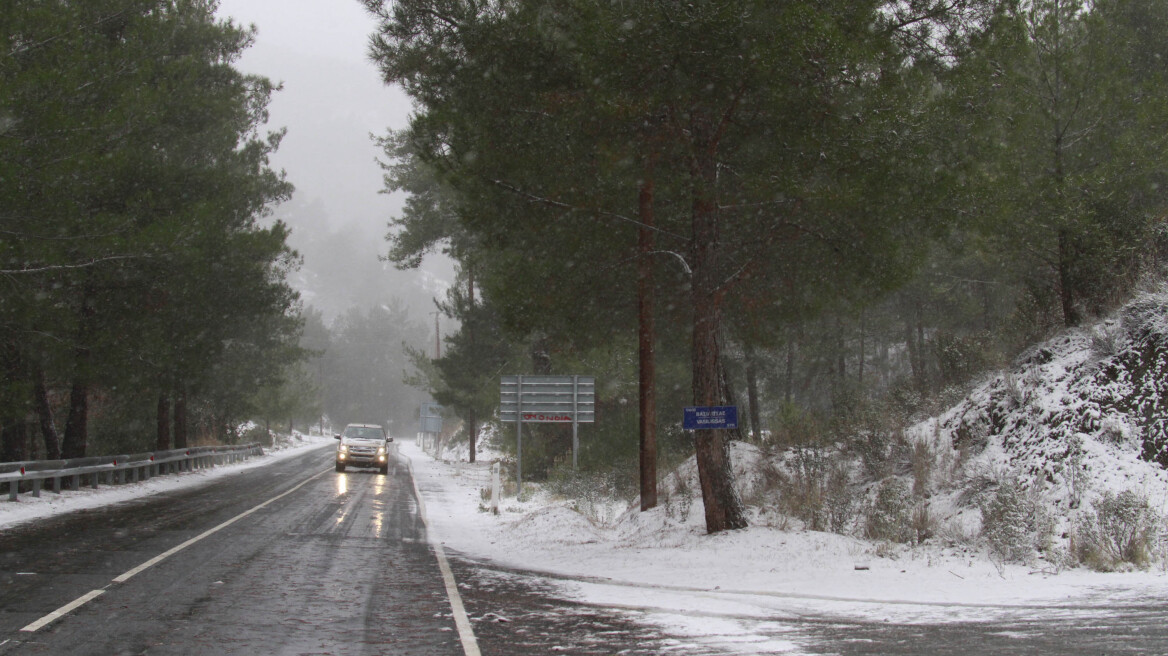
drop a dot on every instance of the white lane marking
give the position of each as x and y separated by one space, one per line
470 645
63 610
170 552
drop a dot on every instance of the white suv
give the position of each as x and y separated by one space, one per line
363 445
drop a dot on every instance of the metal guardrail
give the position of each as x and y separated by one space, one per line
115 470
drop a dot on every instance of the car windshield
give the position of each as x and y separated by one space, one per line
364 432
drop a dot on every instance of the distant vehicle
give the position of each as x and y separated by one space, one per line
363 445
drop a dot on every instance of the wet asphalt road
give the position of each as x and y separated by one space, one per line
340 564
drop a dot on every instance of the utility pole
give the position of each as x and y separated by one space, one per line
437 337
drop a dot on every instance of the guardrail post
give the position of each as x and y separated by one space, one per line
37 484
13 490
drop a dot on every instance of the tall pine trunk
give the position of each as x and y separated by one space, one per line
1066 281
13 440
752 394
645 339
180 420
722 505
77 426
13 430
76 438
472 430
44 411
471 419
162 421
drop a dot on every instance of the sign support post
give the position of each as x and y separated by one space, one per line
519 441
575 422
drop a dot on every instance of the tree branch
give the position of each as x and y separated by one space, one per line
573 208
70 267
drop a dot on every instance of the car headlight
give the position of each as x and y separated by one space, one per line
343 448
381 451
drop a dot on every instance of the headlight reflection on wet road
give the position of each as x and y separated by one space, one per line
379 487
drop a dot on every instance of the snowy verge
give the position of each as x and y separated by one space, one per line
30 508
647 561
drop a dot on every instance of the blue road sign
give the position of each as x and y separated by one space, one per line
725 416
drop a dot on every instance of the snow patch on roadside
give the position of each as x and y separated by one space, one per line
651 562
49 504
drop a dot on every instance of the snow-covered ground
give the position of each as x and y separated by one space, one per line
729 589
48 504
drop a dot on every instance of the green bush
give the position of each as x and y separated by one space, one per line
1015 524
839 500
890 517
878 450
1123 529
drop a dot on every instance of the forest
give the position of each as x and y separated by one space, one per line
835 215
142 295
146 284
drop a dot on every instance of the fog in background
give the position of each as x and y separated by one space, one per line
332 101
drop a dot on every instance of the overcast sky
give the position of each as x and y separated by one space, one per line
332 101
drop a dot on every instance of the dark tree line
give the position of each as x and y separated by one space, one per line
828 201
142 294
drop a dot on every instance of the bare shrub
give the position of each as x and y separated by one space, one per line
890 515
923 461
678 500
1106 339
1123 529
954 531
948 462
817 491
595 495
1014 389
801 491
978 483
923 525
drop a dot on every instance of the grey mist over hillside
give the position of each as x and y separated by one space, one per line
333 103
